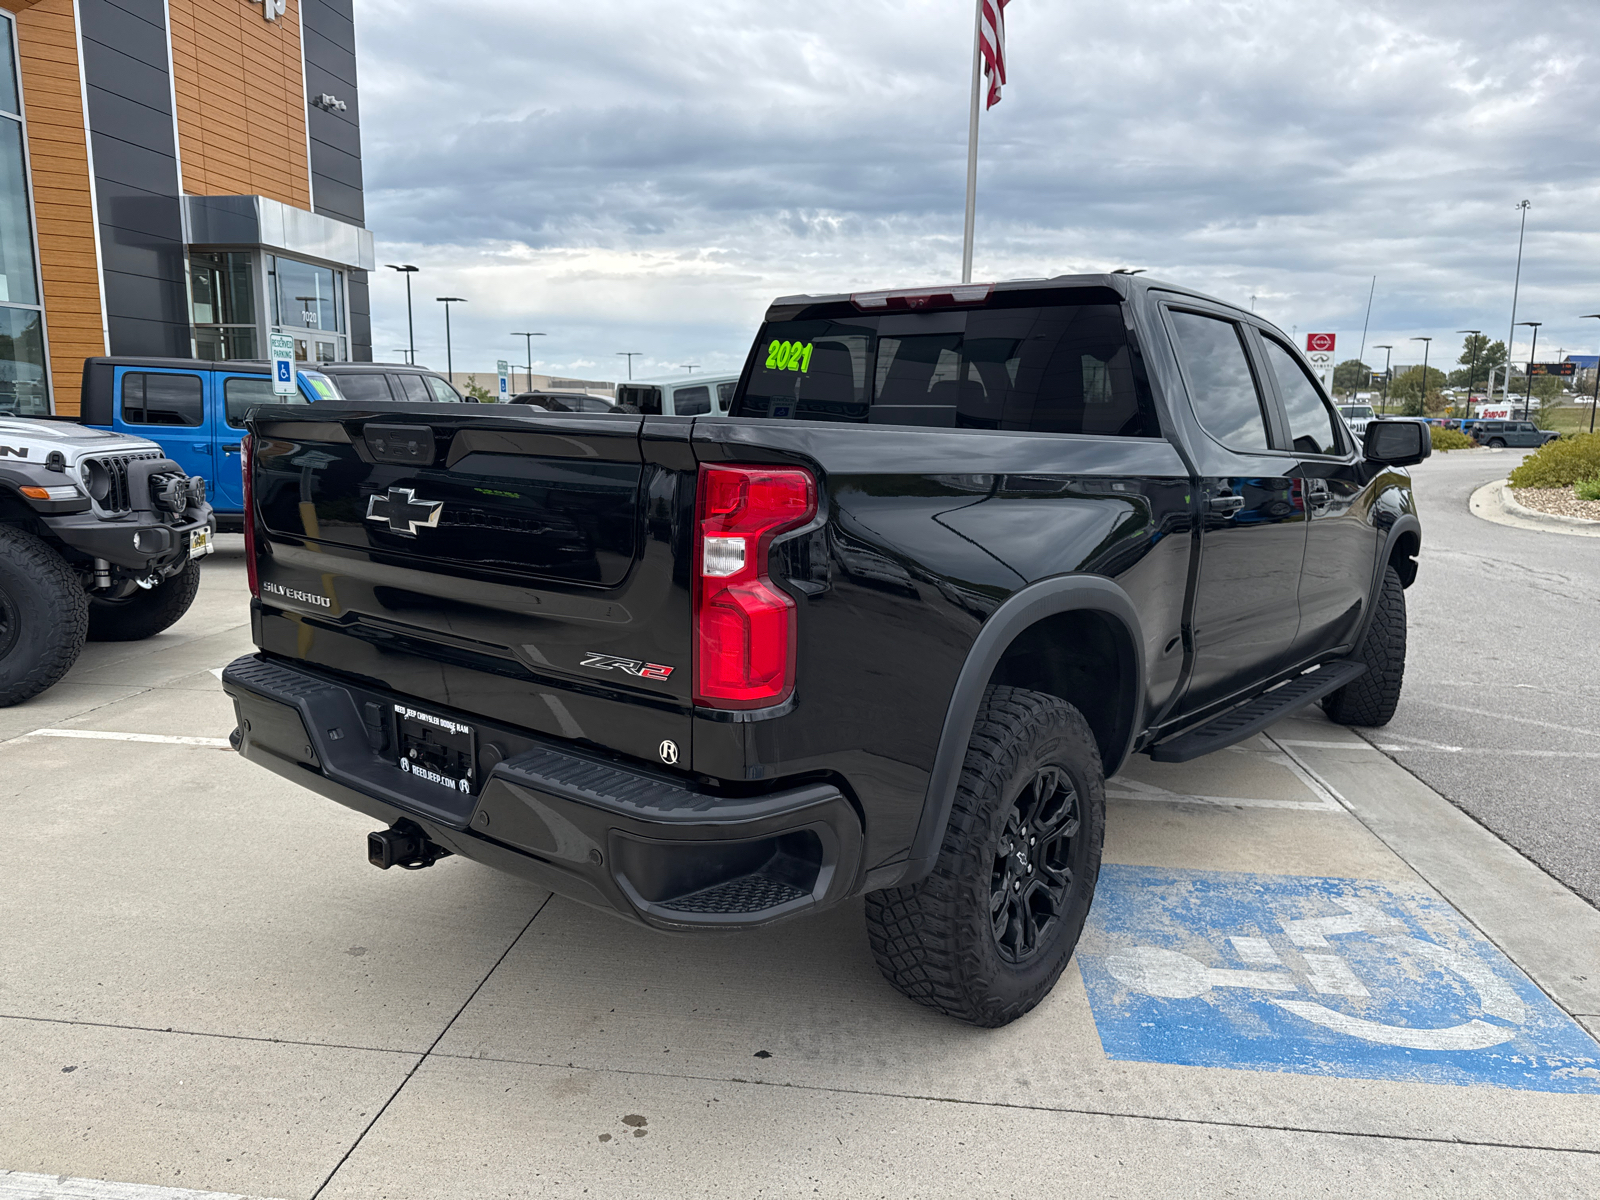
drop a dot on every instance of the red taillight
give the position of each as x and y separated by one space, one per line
948 296
248 467
744 646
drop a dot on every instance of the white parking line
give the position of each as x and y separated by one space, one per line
17 1185
104 736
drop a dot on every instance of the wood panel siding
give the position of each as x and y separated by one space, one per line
241 100
48 40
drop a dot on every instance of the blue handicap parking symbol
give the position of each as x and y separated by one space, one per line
1346 977
283 370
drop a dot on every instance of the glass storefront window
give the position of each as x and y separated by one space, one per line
24 376
307 297
223 287
23 391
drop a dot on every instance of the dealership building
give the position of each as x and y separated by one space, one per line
178 178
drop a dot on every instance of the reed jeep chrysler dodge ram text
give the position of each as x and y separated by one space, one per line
884 628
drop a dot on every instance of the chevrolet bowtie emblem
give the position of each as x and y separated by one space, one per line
403 512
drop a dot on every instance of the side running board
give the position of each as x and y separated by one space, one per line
1255 715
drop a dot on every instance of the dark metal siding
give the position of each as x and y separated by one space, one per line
136 175
336 188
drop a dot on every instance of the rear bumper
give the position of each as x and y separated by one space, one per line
650 846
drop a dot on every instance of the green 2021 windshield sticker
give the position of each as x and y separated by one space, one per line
789 356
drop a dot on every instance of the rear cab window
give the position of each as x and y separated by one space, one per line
163 398
1021 363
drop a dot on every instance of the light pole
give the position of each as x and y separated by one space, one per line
1595 403
411 334
1383 405
1527 400
1516 283
449 362
528 340
1423 403
1472 373
689 367
630 355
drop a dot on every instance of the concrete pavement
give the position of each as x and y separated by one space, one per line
1306 972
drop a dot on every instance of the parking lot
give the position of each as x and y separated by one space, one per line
1305 972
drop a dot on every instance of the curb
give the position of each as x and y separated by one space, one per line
1494 502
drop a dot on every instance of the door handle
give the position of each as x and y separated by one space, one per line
1225 504
232 447
202 447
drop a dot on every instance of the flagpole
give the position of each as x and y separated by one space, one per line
972 146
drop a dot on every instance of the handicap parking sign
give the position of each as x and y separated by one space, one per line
1345 977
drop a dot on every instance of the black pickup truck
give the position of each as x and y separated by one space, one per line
884 629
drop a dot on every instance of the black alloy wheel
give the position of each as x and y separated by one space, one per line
1033 865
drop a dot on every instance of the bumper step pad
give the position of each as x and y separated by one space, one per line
1255 715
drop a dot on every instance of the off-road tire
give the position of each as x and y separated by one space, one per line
1497 443
44 616
146 612
934 940
1371 698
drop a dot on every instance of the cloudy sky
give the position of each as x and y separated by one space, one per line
632 175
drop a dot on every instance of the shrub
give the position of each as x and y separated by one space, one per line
481 394
1560 463
1449 439
1588 489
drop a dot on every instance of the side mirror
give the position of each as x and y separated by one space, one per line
1397 443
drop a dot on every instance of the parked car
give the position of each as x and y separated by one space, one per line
101 537
388 383
193 409
564 402
1510 433
691 396
883 630
1357 416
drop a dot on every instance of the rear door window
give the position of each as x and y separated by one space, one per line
410 387
1060 368
725 395
1312 426
691 401
149 398
1222 387
645 398
365 389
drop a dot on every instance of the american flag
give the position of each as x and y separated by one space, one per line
992 44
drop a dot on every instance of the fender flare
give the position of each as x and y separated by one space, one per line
1028 606
1403 524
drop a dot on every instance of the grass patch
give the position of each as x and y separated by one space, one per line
1561 463
1588 489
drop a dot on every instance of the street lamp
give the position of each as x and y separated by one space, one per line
1596 401
411 334
1527 400
449 362
689 367
1516 283
630 355
1423 405
528 341
1472 373
1383 405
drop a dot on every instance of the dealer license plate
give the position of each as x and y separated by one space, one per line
434 748
200 543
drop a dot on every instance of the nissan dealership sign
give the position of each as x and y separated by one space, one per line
1319 350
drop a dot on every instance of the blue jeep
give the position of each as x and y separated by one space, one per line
193 409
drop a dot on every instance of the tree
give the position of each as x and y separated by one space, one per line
481 394
1489 355
1351 375
1407 391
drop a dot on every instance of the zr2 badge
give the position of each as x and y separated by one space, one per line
628 666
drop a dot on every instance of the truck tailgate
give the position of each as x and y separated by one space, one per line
512 564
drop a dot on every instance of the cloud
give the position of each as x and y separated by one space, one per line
646 176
